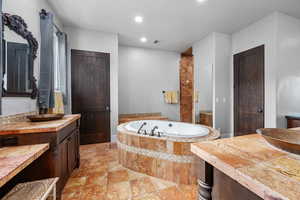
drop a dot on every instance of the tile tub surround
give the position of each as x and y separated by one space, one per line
14 159
254 164
187 89
166 158
100 177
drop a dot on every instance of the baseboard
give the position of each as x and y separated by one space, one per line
227 135
113 138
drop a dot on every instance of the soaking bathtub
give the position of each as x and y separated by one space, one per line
164 153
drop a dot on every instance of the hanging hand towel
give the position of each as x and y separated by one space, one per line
171 97
168 97
59 105
174 97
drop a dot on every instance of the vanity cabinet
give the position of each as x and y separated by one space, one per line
206 119
293 121
69 157
62 157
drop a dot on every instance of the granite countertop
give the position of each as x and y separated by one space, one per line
37 127
255 164
14 159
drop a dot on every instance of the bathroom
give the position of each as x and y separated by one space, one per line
120 100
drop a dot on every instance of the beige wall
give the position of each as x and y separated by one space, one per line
143 75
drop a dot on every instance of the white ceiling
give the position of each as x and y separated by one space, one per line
175 23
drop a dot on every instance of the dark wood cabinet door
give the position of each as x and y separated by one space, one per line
64 170
249 91
91 95
72 143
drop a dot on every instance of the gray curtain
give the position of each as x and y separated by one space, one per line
62 43
1 58
46 82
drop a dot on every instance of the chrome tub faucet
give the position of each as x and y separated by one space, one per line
140 129
153 131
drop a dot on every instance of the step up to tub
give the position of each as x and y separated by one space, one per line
36 190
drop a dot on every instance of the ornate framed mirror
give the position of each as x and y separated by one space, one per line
19 53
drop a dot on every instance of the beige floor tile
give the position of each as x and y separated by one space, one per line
142 186
151 196
161 184
114 166
117 176
135 175
119 191
100 177
171 193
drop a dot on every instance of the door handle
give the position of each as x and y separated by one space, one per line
260 110
107 108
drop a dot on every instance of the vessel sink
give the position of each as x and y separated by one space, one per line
45 117
284 139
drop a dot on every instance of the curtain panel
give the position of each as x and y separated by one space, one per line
1 58
62 55
46 81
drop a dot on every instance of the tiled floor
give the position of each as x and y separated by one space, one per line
100 177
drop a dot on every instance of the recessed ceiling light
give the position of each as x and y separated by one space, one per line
144 39
138 19
201 1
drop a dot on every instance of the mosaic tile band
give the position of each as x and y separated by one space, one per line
155 154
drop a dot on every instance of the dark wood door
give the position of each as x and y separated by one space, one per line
249 91
91 94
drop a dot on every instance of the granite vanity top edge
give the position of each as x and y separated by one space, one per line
241 174
7 171
27 127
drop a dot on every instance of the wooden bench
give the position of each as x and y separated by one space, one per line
36 190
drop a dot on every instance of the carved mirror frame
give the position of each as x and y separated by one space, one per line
18 25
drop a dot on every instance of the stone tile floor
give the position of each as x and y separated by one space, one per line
100 177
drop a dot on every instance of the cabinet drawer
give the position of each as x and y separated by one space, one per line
293 123
6 141
66 132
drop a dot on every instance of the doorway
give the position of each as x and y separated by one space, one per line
91 94
249 91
